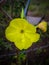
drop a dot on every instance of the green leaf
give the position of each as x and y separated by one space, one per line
22 13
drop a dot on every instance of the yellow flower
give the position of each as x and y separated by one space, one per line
22 33
42 26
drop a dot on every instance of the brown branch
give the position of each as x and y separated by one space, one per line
5 13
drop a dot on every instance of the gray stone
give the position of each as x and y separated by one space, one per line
33 20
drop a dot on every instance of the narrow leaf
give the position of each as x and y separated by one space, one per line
22 13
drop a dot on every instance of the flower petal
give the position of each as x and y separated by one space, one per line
23 43
11 33
33 37
42 26
23 24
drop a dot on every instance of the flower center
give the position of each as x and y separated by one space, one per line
22 31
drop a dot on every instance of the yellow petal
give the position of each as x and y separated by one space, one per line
23 24
26 41
12 33
34 37
42 26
